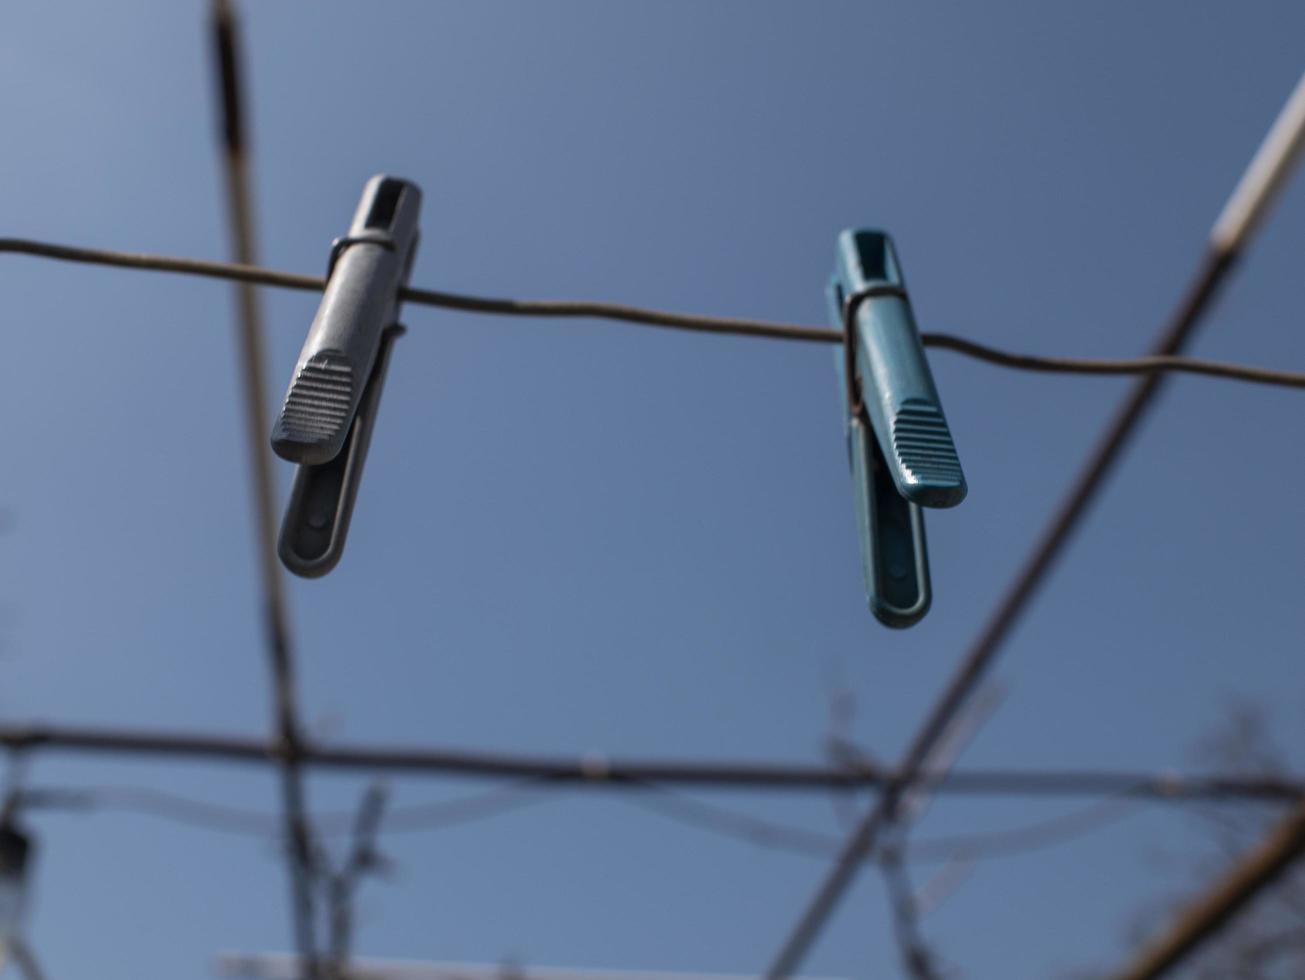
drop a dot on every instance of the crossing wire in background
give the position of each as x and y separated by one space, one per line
673 805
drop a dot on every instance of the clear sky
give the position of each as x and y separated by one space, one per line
575 536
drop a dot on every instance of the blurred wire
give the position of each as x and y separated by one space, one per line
687 810
253 823
728 822
1155 364
1035 836
154 803
422 817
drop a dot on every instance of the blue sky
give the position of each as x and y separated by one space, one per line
577 536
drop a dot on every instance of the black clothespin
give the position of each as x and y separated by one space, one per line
326 422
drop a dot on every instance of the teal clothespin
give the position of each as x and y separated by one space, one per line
899 446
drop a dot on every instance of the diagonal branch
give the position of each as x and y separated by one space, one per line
362 859
1217 908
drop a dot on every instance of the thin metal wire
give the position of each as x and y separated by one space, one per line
163 805
734 824
1151 365
663 801
983 845
223 818
1036 836
443 814
730 326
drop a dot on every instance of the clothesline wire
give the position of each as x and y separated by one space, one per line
620 312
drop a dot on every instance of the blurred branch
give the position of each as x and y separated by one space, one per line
1248 927
1212 911
362 859
917 958
601 772
235 158
24 958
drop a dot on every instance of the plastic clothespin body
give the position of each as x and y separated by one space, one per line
360 301
899 446
330 408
